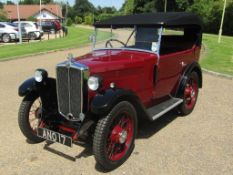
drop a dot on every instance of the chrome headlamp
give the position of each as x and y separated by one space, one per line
94 83
40 75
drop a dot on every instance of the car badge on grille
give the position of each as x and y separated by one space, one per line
70 60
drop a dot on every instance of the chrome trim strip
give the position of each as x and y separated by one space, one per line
69 90
85 71
159 43
167 109
131 49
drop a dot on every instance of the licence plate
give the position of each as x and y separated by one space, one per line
54 136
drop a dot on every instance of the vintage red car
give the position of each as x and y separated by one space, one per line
147 67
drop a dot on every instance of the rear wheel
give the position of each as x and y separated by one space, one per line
190 94
6 38
114 136
29 118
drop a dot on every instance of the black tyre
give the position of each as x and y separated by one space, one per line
114 136
32 36
190 94
6 38
29 117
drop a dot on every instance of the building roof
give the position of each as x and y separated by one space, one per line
27 11
152 19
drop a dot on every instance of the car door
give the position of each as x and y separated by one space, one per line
168 74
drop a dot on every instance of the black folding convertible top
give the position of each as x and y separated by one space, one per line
168 19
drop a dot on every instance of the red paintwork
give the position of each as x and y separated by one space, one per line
190 93
127 69
71 130
133 70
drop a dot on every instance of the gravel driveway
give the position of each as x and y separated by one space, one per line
201 143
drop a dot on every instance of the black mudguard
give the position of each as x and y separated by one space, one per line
46 90
103 103
27 87
190 68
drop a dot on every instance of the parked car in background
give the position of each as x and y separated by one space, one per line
8 32
48 26
31 29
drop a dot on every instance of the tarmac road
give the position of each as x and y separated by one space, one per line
201 143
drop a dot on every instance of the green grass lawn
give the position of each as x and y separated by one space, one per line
77 37
218 57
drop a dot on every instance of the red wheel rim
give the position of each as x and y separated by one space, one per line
120 137
34 117
190 93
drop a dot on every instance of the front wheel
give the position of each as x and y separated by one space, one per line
114 136
32 36
29 117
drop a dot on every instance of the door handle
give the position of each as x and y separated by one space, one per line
183 64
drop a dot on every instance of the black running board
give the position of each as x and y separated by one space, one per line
162 108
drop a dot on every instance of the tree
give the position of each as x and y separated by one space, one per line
78 20
1 5
99 10
47 1
88 19
104 16
10 3
69 22
209 10
228 23
27 2
3 16
36 1
183 5
129 7
82 7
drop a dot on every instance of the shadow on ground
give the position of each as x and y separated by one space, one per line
146 129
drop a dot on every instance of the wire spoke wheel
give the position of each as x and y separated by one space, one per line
35 114
114 136
190 94
30 117
120 137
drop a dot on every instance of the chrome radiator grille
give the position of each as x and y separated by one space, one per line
70 91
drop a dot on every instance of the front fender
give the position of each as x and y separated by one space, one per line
46 90
103 103
28 86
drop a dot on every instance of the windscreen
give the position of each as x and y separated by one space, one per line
137 38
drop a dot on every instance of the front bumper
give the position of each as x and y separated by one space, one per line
14 36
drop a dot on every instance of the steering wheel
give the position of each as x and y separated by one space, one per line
116 40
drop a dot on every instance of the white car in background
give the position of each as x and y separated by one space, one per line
31 28
8 32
